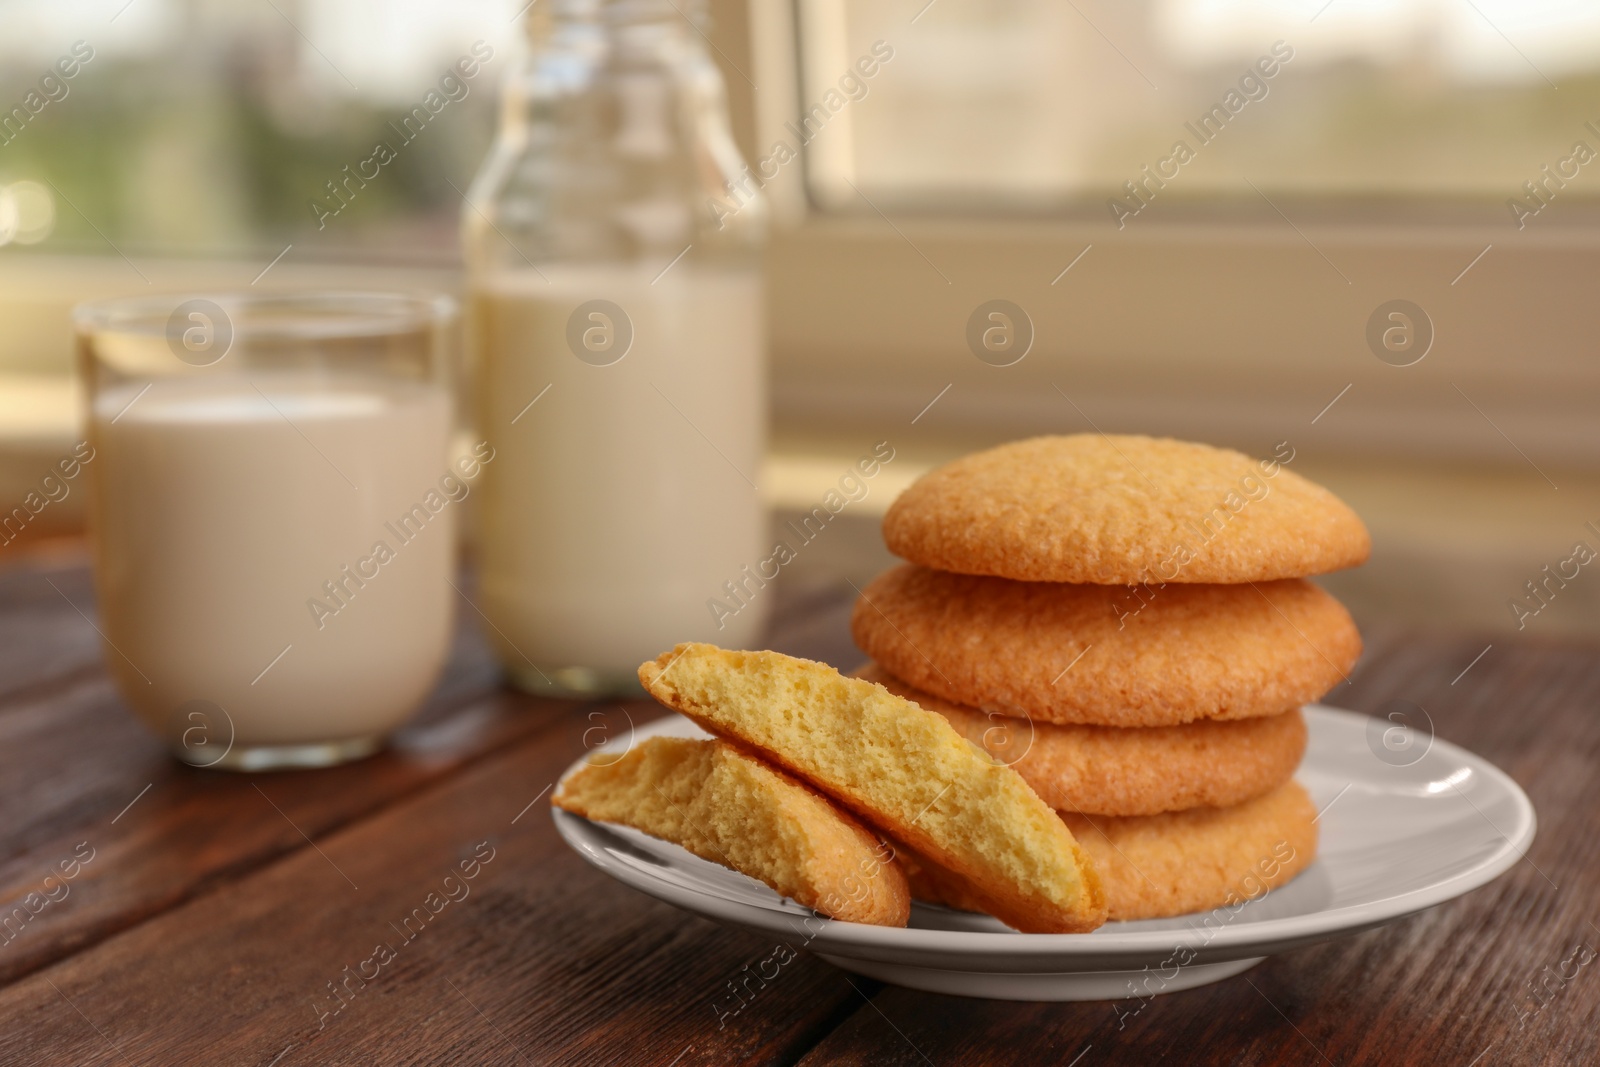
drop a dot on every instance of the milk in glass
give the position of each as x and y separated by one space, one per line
265 546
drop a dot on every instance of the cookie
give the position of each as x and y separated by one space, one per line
1114 770
1157 866
1107 655
1184 861
727 806
1123 509
904 770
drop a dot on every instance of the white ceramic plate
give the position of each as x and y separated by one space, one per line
1395 839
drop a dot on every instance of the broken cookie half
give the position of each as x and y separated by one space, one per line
904 771
725 805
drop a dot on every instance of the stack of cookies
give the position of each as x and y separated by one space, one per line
1126 622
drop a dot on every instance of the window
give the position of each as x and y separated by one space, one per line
162 127
1053 105
981 161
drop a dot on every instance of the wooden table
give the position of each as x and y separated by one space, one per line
219 912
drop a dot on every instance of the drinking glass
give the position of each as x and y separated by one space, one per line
273 509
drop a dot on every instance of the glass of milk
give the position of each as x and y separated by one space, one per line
273 508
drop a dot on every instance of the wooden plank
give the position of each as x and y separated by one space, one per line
1498 974
45 639
88 775
540 959
82 772
231 923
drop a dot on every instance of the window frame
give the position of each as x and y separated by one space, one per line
1140 335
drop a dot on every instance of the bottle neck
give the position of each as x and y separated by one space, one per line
619 33
547 17
614 143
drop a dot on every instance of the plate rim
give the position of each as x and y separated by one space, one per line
1255 938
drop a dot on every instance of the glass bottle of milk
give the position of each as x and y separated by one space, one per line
613 241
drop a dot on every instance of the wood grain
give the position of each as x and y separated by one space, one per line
45 638
88 774
208 926
543 961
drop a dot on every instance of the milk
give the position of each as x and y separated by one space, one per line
225 506
624 498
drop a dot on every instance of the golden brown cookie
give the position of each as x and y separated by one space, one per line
902 769
1123 509
1107 655
1183 861
1155 866
729 807
1114 770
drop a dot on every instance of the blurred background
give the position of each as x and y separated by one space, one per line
1440 152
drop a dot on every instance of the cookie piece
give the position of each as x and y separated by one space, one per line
1157 866
1123 509
1114 770
1107 655
902 769
729 807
